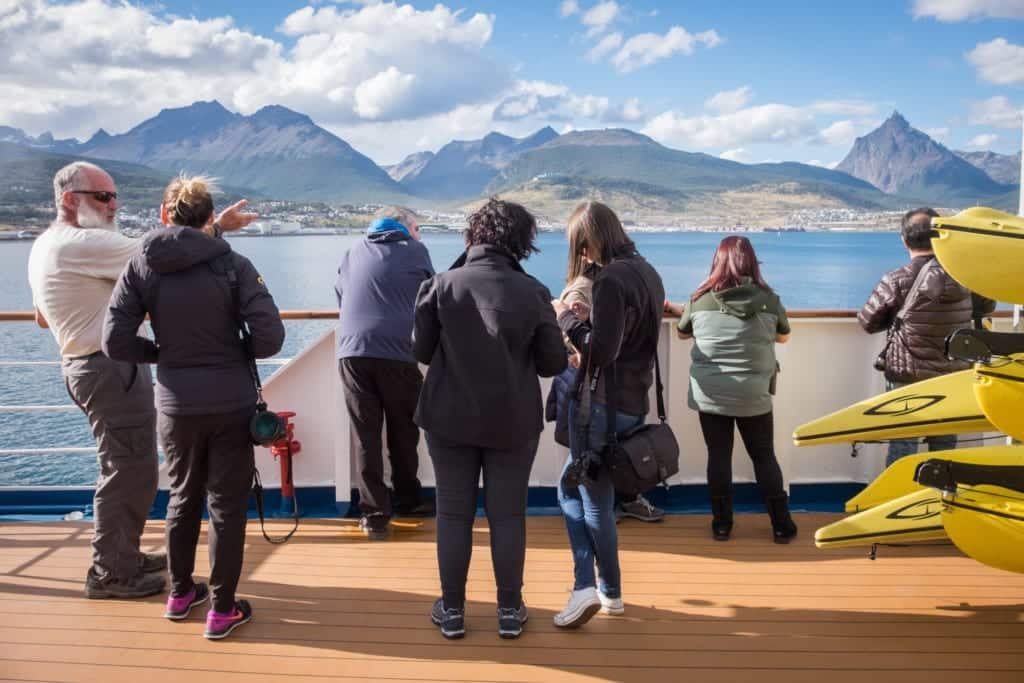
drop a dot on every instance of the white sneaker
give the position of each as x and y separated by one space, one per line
583 604
611 606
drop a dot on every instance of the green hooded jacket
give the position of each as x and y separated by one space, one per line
733 356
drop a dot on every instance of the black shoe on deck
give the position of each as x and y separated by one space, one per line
511 620
375 526
452 621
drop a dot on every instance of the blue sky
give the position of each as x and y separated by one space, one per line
751 81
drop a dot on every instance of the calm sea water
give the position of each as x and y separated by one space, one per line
809 270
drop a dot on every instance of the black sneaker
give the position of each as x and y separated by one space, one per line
150 563
375 526
425 508
139 586
511 620
452 621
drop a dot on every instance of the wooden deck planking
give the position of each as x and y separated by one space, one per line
332 606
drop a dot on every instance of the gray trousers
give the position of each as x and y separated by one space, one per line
209 458
118 400
457 469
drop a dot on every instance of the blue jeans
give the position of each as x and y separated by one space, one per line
899 448
590 510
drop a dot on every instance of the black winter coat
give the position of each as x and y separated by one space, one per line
487 330
179 279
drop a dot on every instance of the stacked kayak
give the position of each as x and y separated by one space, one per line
975 496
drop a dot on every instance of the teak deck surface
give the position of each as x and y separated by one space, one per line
332 606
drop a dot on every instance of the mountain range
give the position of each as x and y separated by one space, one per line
899 159
282 154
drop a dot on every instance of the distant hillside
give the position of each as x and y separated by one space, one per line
462 169
1002 168
633 166
409 166
902 160
45 141
28 182
276 151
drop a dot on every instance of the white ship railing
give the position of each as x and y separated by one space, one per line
826 366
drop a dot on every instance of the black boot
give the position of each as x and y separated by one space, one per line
783 528
721 521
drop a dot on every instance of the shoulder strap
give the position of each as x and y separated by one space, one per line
915 289
227 265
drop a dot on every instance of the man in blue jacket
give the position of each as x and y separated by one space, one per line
376 287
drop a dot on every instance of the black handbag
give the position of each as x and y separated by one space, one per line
646 455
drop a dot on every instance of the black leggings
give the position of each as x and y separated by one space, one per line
506 474
758 434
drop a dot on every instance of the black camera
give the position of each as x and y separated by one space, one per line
583 470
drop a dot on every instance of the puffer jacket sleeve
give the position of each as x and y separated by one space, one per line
881 307
259 312
125 314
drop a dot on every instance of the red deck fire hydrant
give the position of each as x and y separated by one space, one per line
284 449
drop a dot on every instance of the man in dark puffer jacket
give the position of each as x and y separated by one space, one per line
916 348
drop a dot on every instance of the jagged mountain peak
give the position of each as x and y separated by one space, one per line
900 159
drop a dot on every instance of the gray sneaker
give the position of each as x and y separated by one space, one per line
641 509
139 586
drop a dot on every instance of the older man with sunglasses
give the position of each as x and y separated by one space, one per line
72 270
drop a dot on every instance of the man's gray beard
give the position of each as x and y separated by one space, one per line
88 217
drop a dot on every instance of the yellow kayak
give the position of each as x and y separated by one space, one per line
898 479
983 249
915 517
942 405
982 508
987 524
999 391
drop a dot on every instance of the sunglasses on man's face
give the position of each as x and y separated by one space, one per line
99 195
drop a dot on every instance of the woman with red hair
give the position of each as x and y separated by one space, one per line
735 320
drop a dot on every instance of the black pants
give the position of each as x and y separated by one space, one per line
758 433
379 391
506 473
211 457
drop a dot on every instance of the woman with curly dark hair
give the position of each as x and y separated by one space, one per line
486 329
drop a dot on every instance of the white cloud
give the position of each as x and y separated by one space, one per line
736 129
774 123
599 17
729 100
606 46
939 134
543 101
387 91
840 133
959 10
645 49
568 8
998 61
738 154
984 141
995 111
75 66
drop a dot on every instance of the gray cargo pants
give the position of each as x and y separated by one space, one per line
118 400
